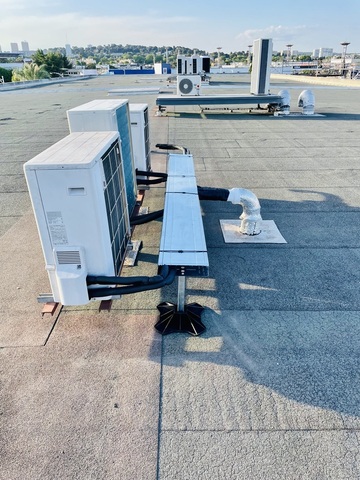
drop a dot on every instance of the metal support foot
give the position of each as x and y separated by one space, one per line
180 318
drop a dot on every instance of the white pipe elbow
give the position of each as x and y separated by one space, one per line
307 102
285 101
250 217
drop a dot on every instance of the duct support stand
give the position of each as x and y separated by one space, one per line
180 318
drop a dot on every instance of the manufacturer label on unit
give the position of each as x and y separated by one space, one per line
57 228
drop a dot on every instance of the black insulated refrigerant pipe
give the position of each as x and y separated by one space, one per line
160 177
148 217
211 193
165 146
145 173
146 181
205 193
164 279
115 280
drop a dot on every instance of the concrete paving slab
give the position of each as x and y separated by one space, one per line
311 279
317 179
6 223
303 364
294 153
250 161
260 455
310 200
11 168
13 183
21 323
86 405
14 203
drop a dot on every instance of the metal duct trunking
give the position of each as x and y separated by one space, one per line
78 193
109 115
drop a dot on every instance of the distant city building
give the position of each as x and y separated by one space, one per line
325 52
25 46
0 49
315 53
14 48
68 50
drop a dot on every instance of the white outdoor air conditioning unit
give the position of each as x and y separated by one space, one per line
78 195
139 118
188 84
109 115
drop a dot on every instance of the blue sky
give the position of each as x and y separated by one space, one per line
231 24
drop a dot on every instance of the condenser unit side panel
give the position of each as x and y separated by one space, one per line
75 214
138 142
124 128
42 226
114 116
139 119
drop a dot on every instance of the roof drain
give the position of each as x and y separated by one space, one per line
250 217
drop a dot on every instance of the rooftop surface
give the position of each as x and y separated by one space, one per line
271 390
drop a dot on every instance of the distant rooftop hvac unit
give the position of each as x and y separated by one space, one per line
188 84
139 118
261 63
78 195
193 65
109 115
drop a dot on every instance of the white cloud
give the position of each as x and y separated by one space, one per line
280 35
54 30
16 5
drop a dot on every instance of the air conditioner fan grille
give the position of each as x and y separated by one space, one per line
185 86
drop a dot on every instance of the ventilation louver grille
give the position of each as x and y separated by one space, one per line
70 257
123 122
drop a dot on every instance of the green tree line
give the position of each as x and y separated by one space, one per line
51 64
55 62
